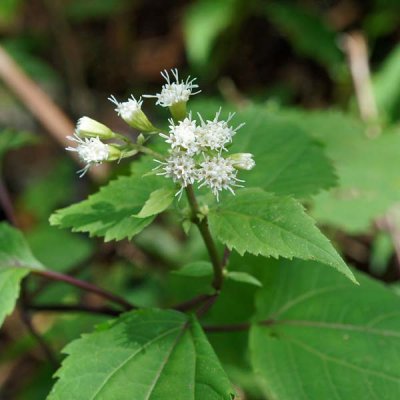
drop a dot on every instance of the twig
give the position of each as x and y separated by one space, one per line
73 308
6 204
86 286
41 106
355 46
26 319
193 303
227 328
202 224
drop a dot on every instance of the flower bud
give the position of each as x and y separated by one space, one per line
90 128
243 161
140 139
131 112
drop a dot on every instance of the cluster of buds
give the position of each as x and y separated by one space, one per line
197 147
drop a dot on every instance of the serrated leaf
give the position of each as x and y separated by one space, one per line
287 160
243 277
149 355
261 223
158 202
324 338
109 212
197 269
16 260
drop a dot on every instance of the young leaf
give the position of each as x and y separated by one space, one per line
158 202
195 269
143 355
260 223
243 277
16 260
109 212
325 337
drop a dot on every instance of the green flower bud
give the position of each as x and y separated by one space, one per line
90 128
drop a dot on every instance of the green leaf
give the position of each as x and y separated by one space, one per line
10 140
16 260
109 212
387 85
260 223
287 160
158 202
307 32
195 269
361 163
243 277
149 355
204 21
325 338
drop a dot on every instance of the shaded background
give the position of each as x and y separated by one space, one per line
307 54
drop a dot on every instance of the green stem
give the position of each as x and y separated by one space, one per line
202 224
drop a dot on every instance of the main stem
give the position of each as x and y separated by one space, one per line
202 224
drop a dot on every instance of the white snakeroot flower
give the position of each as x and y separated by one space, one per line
216 134
175 92
243 161
181 168
218 173
88 127
131 112
90 151
127 110
183 135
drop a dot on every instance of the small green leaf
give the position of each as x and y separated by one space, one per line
324 337
109 212
10 140
260 223
158 202
196 269
143 355
16 260
243 277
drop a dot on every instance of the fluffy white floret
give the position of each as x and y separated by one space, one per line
174 92
90 151
218 173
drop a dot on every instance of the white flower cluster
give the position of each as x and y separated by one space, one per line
196 147
195 154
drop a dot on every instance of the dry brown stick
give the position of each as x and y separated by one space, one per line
355 46
41 106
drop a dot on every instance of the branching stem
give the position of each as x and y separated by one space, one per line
86 286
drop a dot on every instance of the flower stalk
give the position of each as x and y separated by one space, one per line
202 224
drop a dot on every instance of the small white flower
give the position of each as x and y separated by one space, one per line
88 127
131 112
127 110
175 92
181 168
243 161
183 135
218 173
90 151
216 134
